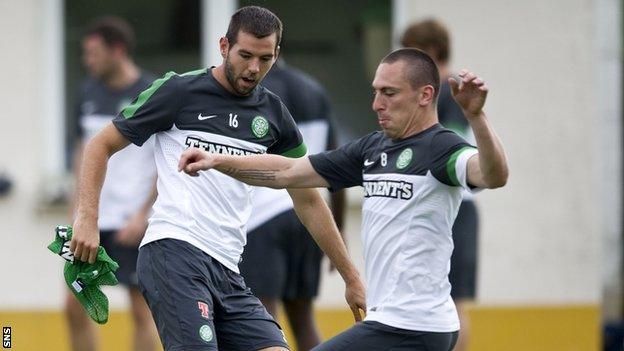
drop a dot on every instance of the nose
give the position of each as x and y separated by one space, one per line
377 103
254 65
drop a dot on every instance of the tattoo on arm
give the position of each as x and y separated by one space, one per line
252 174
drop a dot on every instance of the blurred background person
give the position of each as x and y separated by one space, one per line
129 189
281 261
431 36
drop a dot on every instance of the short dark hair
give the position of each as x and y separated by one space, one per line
429 35
255 20
113 31
420 69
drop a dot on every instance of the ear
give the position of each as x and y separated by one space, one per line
425 96
277 52
224 46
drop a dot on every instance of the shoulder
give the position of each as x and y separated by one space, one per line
194 74
175 82
296 79
184 78
445 135
375 136
263 90
444 142
188 78
304 78
370 140
275 102
306 84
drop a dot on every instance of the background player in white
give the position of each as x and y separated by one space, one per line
281 262
128 191
412 174
188 260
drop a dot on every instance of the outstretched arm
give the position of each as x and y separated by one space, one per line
316 216
86 237
271 171
488 168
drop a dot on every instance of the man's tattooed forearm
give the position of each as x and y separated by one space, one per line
252 174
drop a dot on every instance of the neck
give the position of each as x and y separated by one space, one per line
444 71
420 122
219 74
127 74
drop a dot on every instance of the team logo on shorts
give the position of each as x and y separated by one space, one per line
404 158
259 126
206 333
203 308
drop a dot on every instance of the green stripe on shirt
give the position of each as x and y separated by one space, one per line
194 73
450 165
129 110
297 152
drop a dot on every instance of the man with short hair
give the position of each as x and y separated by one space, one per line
127 193
188 260
412 173
433 37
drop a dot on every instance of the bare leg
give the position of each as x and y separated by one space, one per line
300 313
82 331
271 305
145 334
464 333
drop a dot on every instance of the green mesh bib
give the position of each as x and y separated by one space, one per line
84 279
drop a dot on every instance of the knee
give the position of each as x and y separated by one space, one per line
141 313
75 312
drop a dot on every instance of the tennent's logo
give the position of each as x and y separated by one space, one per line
388 188
215 148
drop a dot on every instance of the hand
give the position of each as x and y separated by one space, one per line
194 160
470 93
132 233
356 298
85 240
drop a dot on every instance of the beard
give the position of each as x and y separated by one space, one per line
231 78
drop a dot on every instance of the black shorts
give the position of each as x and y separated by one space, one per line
125 256
281 260
375 336
199 304
463 274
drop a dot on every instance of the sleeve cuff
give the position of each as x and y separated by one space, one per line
461 168
296 152
128 132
